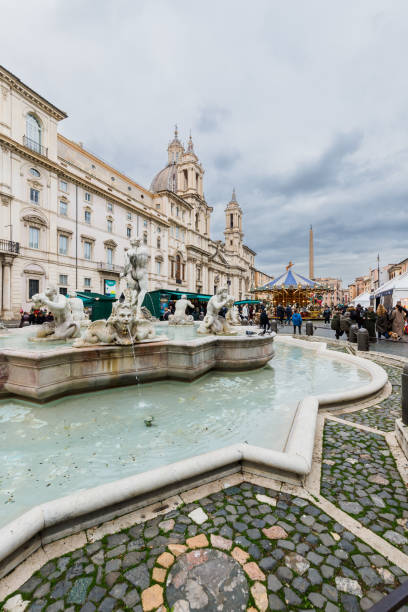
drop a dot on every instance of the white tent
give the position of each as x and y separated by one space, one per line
363 299
394 290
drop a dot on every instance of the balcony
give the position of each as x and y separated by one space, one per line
108 267
35 146
8 246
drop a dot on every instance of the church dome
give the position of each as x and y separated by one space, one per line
165 179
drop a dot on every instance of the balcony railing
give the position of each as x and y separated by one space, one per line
108 267
9 246
35 146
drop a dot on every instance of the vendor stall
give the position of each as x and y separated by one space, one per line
392 291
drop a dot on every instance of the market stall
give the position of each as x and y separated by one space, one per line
392 291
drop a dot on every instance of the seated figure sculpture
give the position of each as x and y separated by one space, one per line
63 326
213 322
232 315
180 317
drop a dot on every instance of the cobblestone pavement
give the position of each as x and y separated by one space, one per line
360 476
250 548
381 416
293 556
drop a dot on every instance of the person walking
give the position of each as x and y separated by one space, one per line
280 313
382 322
264 321
346 322
288 313
326 314
369 322
397 318
297 321
335 324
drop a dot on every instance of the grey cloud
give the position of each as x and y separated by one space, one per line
211 118
225 161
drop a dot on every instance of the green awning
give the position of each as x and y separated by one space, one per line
247 302
191 296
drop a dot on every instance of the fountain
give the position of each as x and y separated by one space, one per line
180 317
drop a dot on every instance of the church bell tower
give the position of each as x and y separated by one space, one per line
233 225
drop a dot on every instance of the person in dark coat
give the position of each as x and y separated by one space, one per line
327 314
263 320
369 322
280 313
382 323
288 312
335 324
345 323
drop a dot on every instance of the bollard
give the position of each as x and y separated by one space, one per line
274 326
404 394
353 333
309 328
362 340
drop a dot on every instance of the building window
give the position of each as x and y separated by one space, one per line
197 221
87 250
87 282
177 231
177 211
109 255
198 274
158 206
109 226
185 179
63 208
109 206
172 209
87 196
158 267
178 267
129 216
158 242
63 290
144 237
63 279
158 229
33 130
35 172
231 220
63 186
34 195
183 234
128 232
62 244
34 238
33 287
145 223
87 215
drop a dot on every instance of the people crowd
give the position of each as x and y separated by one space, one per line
391 324
36 316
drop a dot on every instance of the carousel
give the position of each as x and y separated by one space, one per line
293 289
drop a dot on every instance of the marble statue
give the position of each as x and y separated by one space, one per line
214 323
135 271
180 317
64 326
128 322
232 315
78 312
121 328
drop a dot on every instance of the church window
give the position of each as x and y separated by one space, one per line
185 179
231 220
33 130
177 211
35 172
196 180
177 231
178 267
144 237
197 218
158 242
231 243
198 273
34 195
158 267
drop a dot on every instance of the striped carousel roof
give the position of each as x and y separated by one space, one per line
289 279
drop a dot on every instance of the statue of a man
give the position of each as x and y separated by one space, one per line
214 323
180 317
63 326
136 272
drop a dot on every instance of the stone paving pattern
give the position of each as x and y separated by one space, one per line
381 416
294 556
360 476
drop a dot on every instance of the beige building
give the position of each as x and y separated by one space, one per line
335 294
66 216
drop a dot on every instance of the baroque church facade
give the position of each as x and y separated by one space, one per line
67 217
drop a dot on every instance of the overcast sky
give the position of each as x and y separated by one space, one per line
301 105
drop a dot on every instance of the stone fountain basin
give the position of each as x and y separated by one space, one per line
42 375
73 513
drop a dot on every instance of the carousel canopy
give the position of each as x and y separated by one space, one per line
288 280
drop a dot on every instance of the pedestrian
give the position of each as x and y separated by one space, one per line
369 322
280 313
245 312
166 314
382 322
297 321
327 314
397 318
346 322
264 321
288 313
335 324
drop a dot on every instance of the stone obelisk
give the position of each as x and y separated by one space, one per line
311 254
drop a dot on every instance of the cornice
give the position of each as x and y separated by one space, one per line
31 95
63 173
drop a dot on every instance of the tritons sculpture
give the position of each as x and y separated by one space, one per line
180 317
232 315
64 326
127 324
213 322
